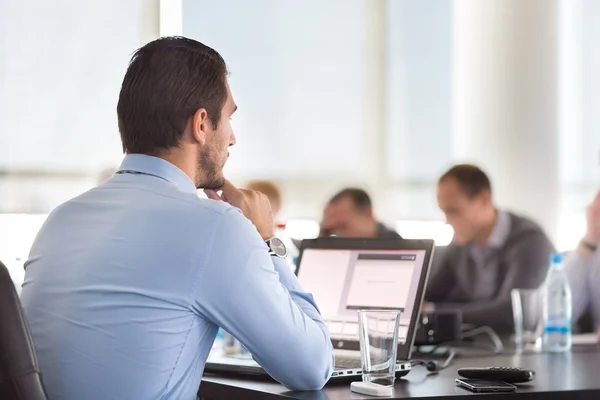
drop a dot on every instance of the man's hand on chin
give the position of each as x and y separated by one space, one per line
254 205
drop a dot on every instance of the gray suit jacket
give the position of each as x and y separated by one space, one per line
522 262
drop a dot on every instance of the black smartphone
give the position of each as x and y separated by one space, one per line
485 386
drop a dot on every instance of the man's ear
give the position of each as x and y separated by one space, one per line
486 197
365 211
200 125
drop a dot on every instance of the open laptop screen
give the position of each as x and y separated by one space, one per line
344 281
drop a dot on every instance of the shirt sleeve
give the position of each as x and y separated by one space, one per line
578 270
258 299
593 285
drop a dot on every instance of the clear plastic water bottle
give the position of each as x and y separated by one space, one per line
557 308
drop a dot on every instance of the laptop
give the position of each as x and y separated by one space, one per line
337 272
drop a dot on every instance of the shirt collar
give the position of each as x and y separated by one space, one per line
160 168
501 230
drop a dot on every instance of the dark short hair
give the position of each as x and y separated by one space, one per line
471 178
166 82
360 199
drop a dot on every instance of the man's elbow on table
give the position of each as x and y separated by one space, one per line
312 372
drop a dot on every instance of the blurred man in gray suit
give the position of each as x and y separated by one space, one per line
493 251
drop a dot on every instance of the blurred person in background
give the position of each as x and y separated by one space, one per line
272 191
106 174
350 214
583 267
493 251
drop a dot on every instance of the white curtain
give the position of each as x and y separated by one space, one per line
61 65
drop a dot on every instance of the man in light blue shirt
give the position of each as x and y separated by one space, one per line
127 284
583 267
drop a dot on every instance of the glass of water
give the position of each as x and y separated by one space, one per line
378 330
527 313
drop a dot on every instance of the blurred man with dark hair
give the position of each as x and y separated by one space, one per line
127 284
493 251
350 214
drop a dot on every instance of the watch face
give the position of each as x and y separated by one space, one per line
278 247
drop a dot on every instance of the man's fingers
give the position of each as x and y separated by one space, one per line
212 194
227 185
229 193
229 190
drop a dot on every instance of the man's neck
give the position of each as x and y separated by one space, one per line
483 237
186 164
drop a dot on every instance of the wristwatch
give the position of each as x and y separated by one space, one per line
276 247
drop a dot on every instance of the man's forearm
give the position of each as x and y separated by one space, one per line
307 304
304 300
259 301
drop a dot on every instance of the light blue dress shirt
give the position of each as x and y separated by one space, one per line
127 284
584 278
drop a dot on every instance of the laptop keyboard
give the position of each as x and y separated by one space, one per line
347 363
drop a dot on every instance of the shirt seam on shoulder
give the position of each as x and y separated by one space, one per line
196 200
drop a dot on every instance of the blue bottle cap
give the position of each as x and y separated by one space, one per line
556 258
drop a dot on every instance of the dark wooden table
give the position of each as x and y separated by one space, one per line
572 376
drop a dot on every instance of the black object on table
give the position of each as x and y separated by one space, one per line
504 374
572 376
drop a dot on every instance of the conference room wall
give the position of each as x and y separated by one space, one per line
330 93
